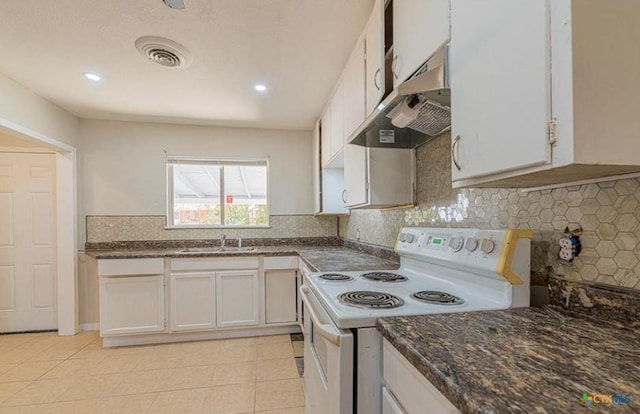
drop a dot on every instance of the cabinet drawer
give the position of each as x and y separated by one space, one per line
219 263
413 391
119 267
280 262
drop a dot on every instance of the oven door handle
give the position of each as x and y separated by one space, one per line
326 330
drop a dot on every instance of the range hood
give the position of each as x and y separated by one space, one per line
416 111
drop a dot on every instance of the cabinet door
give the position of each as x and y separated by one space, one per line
391 173
419 28
280 296
325 136
237 298
355 175
389 403
132 305
374 52
192 301
500 69
353 91
317 191
337 120
333 191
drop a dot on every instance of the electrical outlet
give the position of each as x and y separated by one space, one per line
570 245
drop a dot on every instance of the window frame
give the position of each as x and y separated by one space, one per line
218 161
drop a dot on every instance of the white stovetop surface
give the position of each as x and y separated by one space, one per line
478 293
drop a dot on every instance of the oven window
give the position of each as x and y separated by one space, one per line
319 346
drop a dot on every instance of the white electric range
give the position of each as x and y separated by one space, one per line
441 271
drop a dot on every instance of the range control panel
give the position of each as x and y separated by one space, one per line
471 247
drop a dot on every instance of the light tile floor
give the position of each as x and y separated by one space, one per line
45 373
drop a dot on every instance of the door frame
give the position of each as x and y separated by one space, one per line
66 213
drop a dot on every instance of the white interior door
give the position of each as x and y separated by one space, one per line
28 283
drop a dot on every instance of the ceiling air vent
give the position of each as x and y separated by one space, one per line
163 51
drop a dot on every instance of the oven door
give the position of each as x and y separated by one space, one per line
328 361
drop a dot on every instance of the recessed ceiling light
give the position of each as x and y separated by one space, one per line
260 88
92 76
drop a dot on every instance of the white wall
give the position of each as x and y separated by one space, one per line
20 106
123 166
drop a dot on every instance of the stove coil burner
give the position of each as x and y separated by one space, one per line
437 298
335 277
370 300
384 277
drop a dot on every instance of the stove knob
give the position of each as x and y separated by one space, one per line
410 238
456 243
471 244
487 245
403 237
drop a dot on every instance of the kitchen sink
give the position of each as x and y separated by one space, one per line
225 249
232 249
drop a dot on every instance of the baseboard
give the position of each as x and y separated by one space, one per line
95 326
147 339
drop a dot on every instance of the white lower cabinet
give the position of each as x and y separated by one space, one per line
132 296
192 303
280 296
132 305
237 298
195 297
406 390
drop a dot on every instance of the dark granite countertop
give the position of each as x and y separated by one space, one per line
319 258
529 360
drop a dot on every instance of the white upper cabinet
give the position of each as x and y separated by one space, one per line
353 90
543 92
374 51
500 95
325 136
315 164
379 177
355 172
328 183
337 119
419 28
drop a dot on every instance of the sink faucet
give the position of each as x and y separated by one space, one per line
223 237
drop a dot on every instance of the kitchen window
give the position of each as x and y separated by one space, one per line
217 192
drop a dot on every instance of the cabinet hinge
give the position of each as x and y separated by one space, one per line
553 131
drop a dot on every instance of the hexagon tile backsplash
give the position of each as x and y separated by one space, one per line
136 228
609 213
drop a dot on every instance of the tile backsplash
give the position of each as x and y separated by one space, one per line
609 213
102 229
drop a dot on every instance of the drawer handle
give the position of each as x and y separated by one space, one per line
375 79
455 152
394 64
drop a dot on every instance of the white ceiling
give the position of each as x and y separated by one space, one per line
295 47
